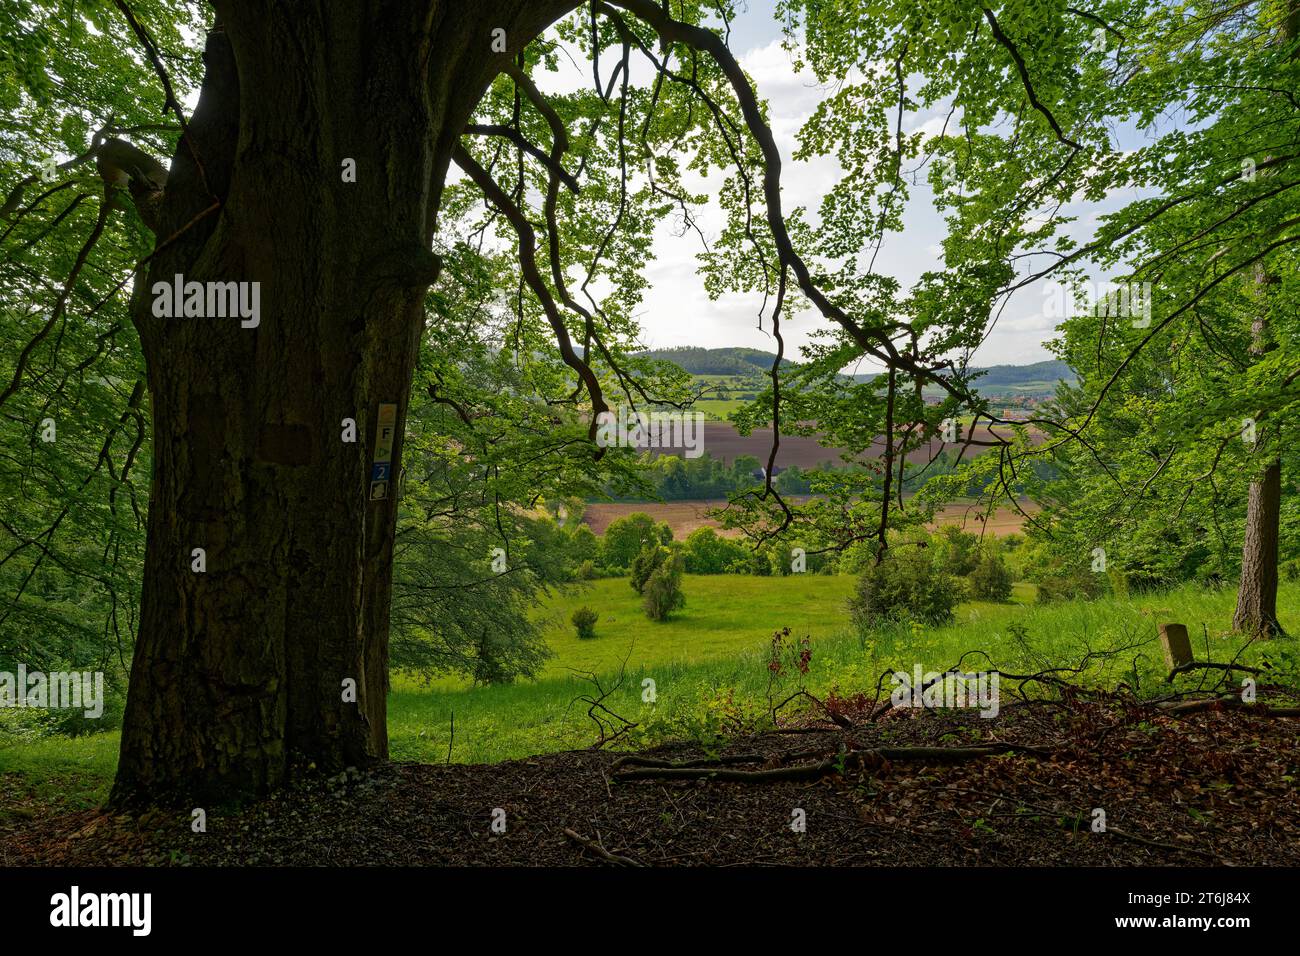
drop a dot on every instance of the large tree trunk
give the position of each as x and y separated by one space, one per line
240 668
1257 597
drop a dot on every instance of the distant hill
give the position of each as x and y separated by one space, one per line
1036 380
1052 371
726 361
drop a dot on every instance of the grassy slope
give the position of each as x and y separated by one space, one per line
723 614
718 642
495 723
718 409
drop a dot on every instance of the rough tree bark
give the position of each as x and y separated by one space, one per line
240 668
1256 611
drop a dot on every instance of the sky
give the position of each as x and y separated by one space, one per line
677 311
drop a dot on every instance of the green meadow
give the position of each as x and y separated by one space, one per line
720 409
708 665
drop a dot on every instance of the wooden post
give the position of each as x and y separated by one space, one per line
1178 649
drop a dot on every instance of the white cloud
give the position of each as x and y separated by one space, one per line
677 310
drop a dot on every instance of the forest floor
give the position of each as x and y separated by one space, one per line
1203 788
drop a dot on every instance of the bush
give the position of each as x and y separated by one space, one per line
907 585
707 552
991 579
583 544
651 557
69 721
1070 585
783 560
626 536
663 590
584 619
958 550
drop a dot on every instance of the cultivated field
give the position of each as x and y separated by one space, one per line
685 516
724 443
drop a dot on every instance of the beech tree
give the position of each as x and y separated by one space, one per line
311 174
331 145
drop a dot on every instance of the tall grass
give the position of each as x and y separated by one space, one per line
502 722
710 661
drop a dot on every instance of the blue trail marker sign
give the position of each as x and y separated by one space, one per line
381 471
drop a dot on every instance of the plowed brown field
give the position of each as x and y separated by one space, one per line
723 442
685 516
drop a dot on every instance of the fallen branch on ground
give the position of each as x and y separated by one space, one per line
1227 702
640 761
851 759
599 850
1209 665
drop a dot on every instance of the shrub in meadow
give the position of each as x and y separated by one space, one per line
663 589
991 579
584 619
906 585
958 550
647 561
